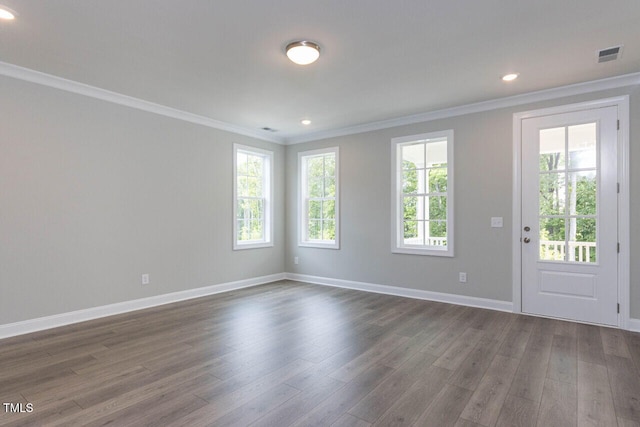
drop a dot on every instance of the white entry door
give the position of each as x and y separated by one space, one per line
569 216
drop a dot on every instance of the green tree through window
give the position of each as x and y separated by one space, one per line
319 210
422 167
567 200
253 197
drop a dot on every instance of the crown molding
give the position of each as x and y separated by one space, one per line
37 77
494 104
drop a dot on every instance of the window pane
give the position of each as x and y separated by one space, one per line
315 187
242 230
329 187
438 207
241 163
582 193
552 193
315 209
250 229
409 181
582 146
552 149
410 229
257 230
438 180
250 209
315 167
437 233
257 209
240 208
253 186
436 153
328 229
328 209
552 239
243 186
582 239
330 164
410 207
254 166
413 156
315 230
414 232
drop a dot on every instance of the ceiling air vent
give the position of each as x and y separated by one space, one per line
609 54
268 129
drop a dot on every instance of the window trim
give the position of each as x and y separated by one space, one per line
397 234
302 210
268 185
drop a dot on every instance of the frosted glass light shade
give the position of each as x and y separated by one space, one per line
6 13
303 52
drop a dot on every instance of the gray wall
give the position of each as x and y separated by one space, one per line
93 194
483 188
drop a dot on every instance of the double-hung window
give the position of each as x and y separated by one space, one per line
253 194
318 198
422 199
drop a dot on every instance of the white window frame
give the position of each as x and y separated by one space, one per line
397 227
303 239
267 185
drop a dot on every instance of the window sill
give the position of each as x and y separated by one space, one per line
257 245
428 252
319 245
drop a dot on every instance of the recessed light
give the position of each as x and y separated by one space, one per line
7 14
510 77
305 122
303 52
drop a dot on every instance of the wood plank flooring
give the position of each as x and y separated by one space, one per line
293 354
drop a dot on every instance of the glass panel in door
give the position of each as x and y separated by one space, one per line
568 190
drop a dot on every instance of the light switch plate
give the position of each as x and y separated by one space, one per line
496 222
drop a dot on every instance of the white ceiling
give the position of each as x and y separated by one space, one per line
381 59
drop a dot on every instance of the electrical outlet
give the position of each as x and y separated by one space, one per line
496 222
145 279
463 277
295 260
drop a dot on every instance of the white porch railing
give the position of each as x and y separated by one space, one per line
430 241
578 251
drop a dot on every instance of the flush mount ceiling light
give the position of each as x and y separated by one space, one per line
510 77
305 122
303 52
7 14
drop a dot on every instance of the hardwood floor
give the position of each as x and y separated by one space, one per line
293 354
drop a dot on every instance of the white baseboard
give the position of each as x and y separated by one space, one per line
406 292
48 322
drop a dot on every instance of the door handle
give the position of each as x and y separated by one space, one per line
527 240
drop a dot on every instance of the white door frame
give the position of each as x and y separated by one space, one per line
624 227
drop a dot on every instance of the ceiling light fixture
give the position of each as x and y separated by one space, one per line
303 52
7 14
510 77
305 122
